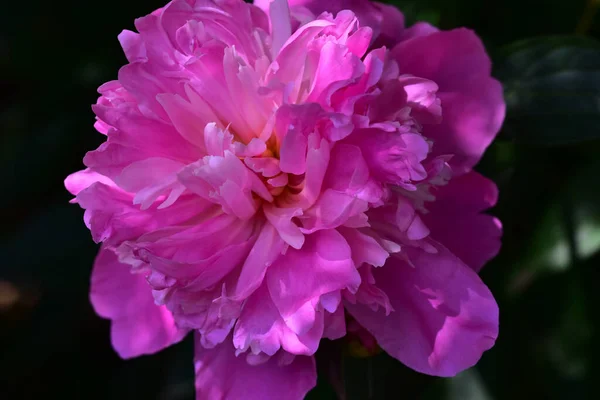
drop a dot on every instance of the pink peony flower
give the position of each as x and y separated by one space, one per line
269 169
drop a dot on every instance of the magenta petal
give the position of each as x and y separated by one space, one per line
472 101
292 285
456 219
260 328
444 319
220 375
138 325
83 179
266 250
133 45
386 20
261 164
365 249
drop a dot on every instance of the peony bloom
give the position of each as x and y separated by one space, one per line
271 170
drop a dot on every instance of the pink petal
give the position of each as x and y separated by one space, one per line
331 210
281 28
472 101
335 324
225 180
292 284
188 120
444 317
150 171
281 219
220 375
260 328
133 45
138 325
337 68
456 219
80 180
386 20
112 217
266 250
365 249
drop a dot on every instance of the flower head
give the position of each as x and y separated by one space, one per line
270 169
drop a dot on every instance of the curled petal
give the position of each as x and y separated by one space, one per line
220 375
444 317
138 325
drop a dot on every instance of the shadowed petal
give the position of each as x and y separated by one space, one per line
444 319
138 325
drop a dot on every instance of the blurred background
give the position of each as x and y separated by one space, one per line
53 56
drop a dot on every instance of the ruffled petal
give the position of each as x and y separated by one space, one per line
261 328
220 375
296 289
386 21
444 317
138 325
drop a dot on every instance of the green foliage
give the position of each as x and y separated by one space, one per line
552 89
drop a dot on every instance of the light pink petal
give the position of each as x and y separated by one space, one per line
281 220
386 20
188 120
281 28
243 84
80 180
220 375
365 249
392 157
293 152
266 166
472 101
133 137
230 21
150 171
225 180
112 217
331 210
337 68
292 284
261 328
348 172
317 159
286 72
138 325
280 180
133 45
266 250
456 219
202 254
444 317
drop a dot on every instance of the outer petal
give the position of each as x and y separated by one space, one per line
386 21
221 375
472 101
111 216
138 325
80 180
444 317
456 219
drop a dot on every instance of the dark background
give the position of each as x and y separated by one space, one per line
53 56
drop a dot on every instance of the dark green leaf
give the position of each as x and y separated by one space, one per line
552 87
